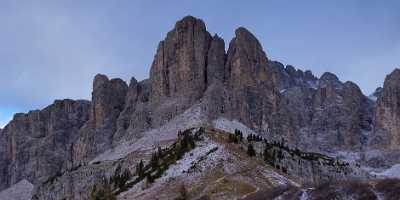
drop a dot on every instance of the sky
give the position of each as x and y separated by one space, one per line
52 49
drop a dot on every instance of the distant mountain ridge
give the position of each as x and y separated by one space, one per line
192 70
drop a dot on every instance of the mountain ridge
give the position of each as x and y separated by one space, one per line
192 71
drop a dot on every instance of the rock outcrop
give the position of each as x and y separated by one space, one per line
108 100
191 68
246 64
216 60
39 144
179 68
387 114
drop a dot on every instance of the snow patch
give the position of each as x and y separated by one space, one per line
392 172
230 126
348 156
278 179
19 191
189 119
199 156
372 97
189 159
304 194
313 84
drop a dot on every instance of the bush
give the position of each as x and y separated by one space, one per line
102 192
250 150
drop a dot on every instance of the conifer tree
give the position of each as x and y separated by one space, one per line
250 150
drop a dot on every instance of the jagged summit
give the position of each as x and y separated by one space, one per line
387 127
394 77
194 82
328 76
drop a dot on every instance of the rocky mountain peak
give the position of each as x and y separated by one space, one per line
247 62
392 79
387 114
108 98
190 23
133 82
375 95
249 44
328 76
99 80
179 66
193 81
216 60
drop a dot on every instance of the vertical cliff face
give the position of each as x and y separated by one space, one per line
216 61
108 100
387 114
138 114
179 68
246 63
39 144
191 67
248 81
340 114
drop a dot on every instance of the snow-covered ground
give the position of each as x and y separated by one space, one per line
189 159
19 191
230 126
202 156
152 138
392 172
278 179
348 156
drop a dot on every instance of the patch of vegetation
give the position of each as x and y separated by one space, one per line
53 178
236 137
103 191
254 138
160 160
120 178
250 150
275 152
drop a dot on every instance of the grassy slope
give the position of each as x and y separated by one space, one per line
228 173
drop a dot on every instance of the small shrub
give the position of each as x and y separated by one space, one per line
250 150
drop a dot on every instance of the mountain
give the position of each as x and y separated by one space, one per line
317 129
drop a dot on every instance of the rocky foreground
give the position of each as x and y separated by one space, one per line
70 146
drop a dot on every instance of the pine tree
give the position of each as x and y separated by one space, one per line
149 179
139 169
250 150
154 162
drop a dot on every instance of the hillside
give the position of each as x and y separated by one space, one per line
309 130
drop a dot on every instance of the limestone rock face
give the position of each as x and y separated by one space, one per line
387 114
252 87
216 60
375 95
246 63
108 100
39 144
340 114
179 67
191 68
137 113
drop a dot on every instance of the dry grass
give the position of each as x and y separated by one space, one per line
389 187
339 190
286 192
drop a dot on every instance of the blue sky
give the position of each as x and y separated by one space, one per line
52 49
